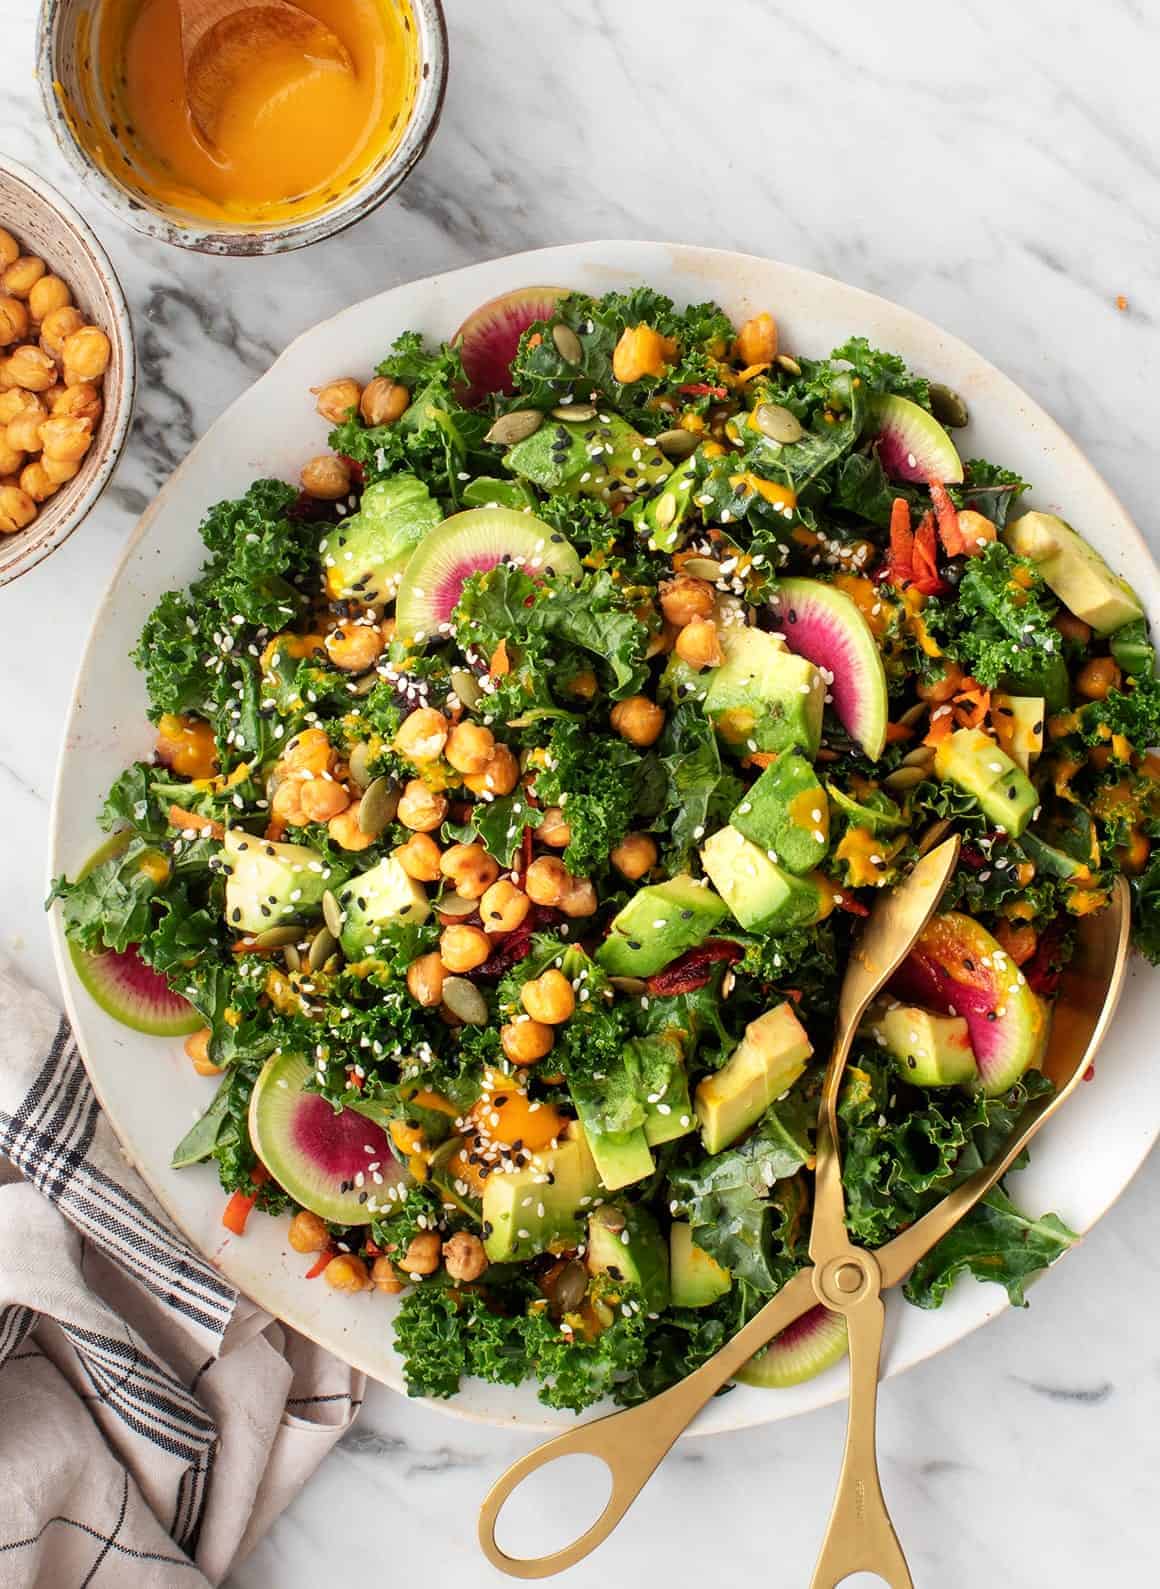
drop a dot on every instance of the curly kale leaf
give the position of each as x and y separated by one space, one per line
1000 622
598 782
993 1242
1146 910
699 793
1133 711
111 906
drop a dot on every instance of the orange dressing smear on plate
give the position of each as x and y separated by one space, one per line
294 135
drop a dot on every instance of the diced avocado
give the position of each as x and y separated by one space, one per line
664 1087
1133 650
785 811
696 1278
365 555
761 894
524 1215
621 1157
271 885
876 810
662 517
625 1243
928 1050
763 697
1075 571
680 682
767 1061
659 923
598 457
1018 723
1053 862
372 899
1041 675
487 492
973 762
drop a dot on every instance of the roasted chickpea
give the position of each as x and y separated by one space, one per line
1073 628
463 948
37 482
345 831
11 457
464 1257
526 1041
17 509
30 368
322 798
548 998
326 477
56 327
9 249
308 1233
503 907
85 355
310 751
685 598
23 434
635 855
75 402
64 438
423 1253
345 1272
499 777
354 647
421 808
1097 678
384 1277
420 858
554 829
757 340
13 320
580 899
383 401
286 802
582 685
47 294
638 720
425 980
548 880
698 644
469 747
16 402
197 1048
422 734
21 276
470 868
60 470
337 400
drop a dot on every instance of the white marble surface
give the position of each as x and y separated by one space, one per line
996 167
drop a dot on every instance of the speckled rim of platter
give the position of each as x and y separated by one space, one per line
149 1091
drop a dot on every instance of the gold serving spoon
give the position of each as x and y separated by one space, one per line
845 1278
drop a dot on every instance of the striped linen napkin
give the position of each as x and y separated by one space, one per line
153 1423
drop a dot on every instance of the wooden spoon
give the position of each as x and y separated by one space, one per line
221 38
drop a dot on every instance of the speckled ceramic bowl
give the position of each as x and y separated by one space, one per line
65 50
44 223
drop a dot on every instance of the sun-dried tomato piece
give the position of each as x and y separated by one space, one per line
694 968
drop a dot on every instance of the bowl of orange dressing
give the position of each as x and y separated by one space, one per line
301 148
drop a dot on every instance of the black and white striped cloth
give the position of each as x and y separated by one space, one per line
152 1423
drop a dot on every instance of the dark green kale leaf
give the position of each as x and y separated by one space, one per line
989 490
998 624
993 1242
597 781
111 906
1146 910
699 792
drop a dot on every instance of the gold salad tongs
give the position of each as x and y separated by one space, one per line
843 1277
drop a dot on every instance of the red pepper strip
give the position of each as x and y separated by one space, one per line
852 907
320 1263
901 539
927 578
948 519
237 1209
700 389
694 968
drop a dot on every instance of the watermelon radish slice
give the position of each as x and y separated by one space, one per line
463 545
824 624
489 337
957 968
326 1161
133 993
912 445
803 1350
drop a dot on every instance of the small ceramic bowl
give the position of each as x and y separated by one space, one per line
46 224
65 49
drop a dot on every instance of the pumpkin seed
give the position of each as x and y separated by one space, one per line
332 913
778 423
904 778
466 687
628 984
570 1286
455 905
578 413
947 406
790 366
567 344
465 1000
377 807
913 714
612 1218
936 832
275 937
321 949
666 509
517 426
701 568
359 770
364 684
291 959
920 756
677 443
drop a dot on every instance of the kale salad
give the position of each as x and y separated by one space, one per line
521 777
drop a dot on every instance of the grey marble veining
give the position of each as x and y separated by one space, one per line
994 166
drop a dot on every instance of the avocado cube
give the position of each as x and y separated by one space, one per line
269 884
372 899
625 1243
1018 723
598 457
663 516
973 762
524 1215
664 1085
1133 650
927 1050
696 1278
659 923
621 1157
787 812
1075 571
365 555
768 1060
761 894
763 697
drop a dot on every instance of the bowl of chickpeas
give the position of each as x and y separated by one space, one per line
67 369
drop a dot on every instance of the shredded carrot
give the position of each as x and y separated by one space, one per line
897 732
972 704
901 536
926 575
320 1263
237 1209
275 830
948 519
942 723
190 822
